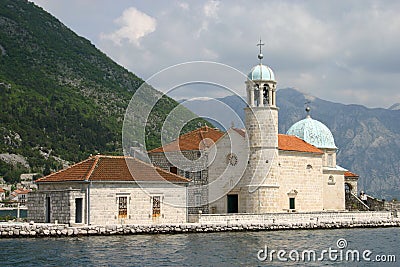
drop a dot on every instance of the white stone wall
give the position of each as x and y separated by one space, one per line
188 163
329 157
104 203
261 179
224 177
306 217
301 173
62 202
334 193
291 174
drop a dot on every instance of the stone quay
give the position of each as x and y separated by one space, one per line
215 224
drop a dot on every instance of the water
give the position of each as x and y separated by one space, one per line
203 249
12 213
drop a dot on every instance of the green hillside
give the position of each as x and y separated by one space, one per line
60 96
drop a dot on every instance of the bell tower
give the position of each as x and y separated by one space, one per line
261 119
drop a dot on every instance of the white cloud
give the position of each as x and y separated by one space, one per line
134 25
325 48
211 8
183 5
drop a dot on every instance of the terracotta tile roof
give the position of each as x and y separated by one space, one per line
21 191
76 172
192 140
2 190
350 174
113 168
293 143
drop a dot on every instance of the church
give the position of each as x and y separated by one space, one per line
256 169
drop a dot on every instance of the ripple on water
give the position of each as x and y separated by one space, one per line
202 249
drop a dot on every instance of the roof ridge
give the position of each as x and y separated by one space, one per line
97 158
185 136
158 168
111 156
69 167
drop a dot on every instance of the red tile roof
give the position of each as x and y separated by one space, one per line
112 168
198 139
192 141
21 191
350 174
293 143
2 190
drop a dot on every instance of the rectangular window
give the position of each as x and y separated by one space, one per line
292 203
122 207
156 206
197 200
197 177
330 160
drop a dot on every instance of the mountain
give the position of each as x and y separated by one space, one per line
395 106
62 98
368 139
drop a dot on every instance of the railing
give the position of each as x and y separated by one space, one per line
375 204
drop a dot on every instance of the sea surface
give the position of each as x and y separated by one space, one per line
209 249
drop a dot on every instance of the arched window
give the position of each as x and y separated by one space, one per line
266 94
348 188
331 180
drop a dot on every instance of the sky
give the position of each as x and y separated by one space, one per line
341 51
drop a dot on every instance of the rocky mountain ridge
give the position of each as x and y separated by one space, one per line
61 97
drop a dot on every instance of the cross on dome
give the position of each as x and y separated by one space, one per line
260 55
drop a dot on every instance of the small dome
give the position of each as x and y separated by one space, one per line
313 132
261 72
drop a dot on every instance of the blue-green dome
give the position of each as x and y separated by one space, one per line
261 72
313 132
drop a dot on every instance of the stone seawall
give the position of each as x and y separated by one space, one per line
12 230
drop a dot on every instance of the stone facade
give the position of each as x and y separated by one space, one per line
211 223
61 202
225 173
248 171
101 199
105 190
191 164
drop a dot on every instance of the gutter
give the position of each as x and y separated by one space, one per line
88 203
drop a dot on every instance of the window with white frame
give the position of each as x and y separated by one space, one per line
122 207
156 206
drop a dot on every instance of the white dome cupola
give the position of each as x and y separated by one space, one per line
313 132
261 84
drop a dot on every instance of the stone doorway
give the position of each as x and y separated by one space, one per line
233 203
78 210
48 210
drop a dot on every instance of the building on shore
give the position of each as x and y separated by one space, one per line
109 190
254 170
257 170
20 195
2 194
